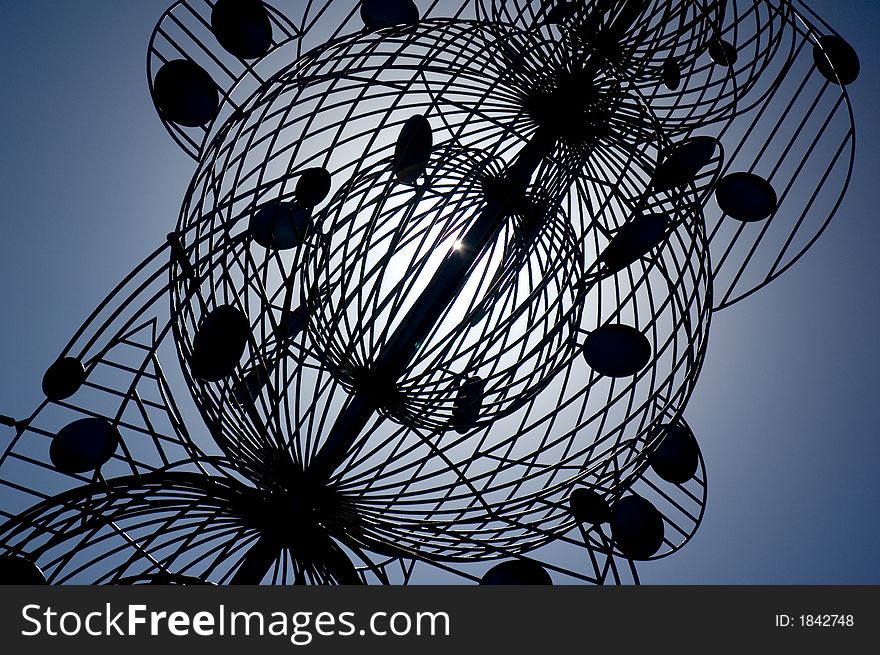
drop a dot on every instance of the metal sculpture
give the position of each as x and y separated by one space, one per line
439 291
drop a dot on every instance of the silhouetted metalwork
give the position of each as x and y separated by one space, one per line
438 294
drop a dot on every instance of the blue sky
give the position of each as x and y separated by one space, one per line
785 406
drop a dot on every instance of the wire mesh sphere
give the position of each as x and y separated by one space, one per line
563 336
793 167
510 329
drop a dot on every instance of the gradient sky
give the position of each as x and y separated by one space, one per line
785 408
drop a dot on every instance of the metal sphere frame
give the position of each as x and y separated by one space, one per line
438 294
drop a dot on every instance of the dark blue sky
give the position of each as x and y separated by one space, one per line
784 409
